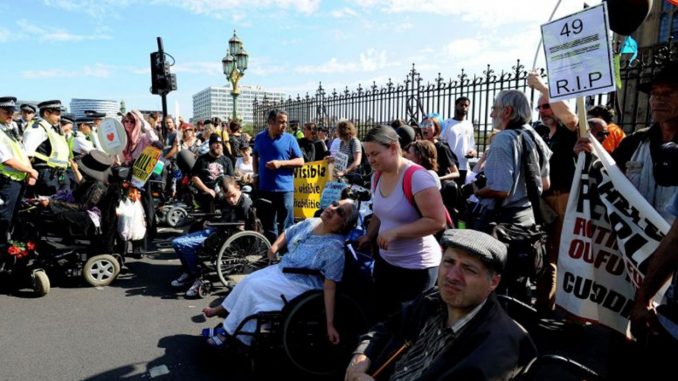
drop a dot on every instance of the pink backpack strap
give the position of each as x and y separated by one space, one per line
407 190
375 180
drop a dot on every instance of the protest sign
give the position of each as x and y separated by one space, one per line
578 54
144 165
608 235
309 182
340 161
111 136
332 192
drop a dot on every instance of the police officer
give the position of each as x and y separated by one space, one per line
15 168
97 118
83 141
27 116
48 148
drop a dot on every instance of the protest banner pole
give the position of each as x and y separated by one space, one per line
541 39
581 113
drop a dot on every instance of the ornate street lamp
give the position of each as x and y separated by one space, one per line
235 64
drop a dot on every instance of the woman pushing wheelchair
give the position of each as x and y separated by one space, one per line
312 244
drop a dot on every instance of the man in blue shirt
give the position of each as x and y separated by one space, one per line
276 154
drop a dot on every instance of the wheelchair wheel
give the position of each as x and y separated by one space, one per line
304 334
176 217
41 283
101 270
242 253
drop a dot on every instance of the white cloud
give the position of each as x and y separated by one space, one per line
5 35
218 6
55 34
96 71
344 12
369 61
98 9
488 13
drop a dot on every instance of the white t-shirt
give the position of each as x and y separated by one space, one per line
459 136
243 168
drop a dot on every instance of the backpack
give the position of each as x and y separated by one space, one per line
407 190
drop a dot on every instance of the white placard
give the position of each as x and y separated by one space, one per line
112 136
578 54
340 161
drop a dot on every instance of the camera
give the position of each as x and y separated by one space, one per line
467 189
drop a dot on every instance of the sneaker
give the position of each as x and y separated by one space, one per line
182 280
193 291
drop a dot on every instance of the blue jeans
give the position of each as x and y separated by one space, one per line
187 247
281 214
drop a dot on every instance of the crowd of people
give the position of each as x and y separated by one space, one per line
433 285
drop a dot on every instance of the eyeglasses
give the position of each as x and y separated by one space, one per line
340 211
545 106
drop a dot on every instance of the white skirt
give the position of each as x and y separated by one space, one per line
260 291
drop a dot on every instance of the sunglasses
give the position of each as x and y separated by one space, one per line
545 106
128 121
340 211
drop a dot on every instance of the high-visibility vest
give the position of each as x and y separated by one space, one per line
19 155
60 151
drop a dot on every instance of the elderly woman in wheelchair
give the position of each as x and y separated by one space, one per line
313 244
237 207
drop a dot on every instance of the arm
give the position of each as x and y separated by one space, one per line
371 234
432 220
452 173
76 172
357 368
275 247
174 150
489 193
201 186
292 163
16 164
329 293
561 109
663 263
357 156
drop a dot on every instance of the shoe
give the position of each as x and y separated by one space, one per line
182 280
194 290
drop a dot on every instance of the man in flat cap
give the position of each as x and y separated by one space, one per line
15 168
455 331
27 116
48 148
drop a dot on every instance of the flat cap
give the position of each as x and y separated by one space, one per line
8 102
488 249
28 107
53 104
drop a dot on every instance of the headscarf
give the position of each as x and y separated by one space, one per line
133 135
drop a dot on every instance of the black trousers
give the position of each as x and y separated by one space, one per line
10 194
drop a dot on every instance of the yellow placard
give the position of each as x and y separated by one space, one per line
309 182
143 166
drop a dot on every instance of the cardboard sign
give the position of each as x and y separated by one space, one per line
340 161
608 235
144 165
309 183
578 54
332 192
111 136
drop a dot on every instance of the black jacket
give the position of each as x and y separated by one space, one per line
490 347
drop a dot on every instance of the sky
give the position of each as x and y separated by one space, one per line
63 49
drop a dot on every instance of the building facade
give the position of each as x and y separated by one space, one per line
217 102
109 107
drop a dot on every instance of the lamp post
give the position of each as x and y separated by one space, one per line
235 64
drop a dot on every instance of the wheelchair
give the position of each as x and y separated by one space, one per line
229 251
298 332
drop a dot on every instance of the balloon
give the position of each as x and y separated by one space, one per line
627 15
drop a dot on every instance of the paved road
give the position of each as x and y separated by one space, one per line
138 328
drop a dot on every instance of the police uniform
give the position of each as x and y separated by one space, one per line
96 119
23 124
83 143
49 151
12 181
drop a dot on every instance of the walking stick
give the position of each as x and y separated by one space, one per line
392 359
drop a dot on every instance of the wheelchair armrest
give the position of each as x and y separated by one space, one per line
301 270
204 215
218 224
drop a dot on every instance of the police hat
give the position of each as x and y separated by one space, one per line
28 107
8 102
478 244
53 104
67 118
95 114
83 119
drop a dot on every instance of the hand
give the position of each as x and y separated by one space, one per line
583 144
33 174
329 159
44 202
74 165
535 82
339 173
357 369
384 239
274 164
212 193
271 254
643 320
31 181
332 334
